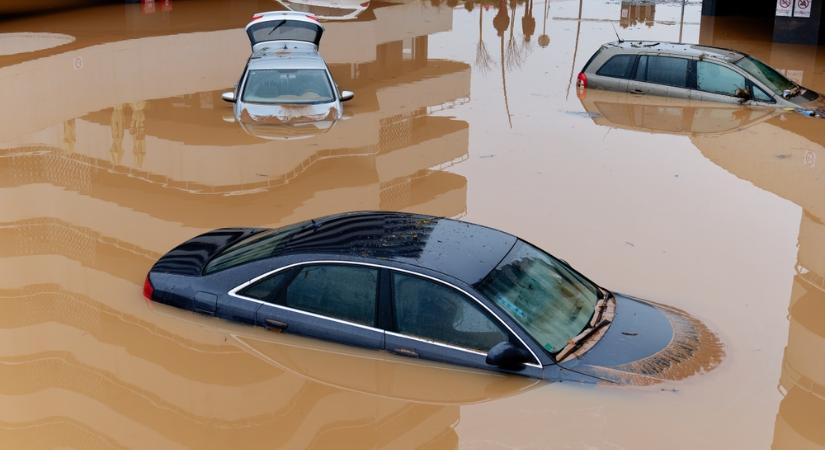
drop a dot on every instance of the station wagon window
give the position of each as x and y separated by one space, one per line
761 96
617 66
339 291
432 311
667 70
718 79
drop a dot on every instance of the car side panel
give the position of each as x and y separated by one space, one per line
607 83
711 97
237 309
282 319
421 349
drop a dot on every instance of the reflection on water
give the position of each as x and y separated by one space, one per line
93 367
114 147
744 141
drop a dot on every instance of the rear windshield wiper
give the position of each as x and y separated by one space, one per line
276 27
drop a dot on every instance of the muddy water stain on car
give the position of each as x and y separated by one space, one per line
116 146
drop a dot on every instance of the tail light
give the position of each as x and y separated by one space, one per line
582 80
312 18
148 289
257 16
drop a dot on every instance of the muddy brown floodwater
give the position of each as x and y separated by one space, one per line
115 146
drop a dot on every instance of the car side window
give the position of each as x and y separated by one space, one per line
435 312
718 79
667 70
339 291
761 96
617 66
266 289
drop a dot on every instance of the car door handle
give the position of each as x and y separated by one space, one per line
406 352
637 91
272 324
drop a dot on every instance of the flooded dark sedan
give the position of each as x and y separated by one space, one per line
430 288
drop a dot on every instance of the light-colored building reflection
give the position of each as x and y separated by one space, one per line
132 156
637 12
777 151
157 163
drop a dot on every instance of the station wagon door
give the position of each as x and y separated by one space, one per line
717 83
664 76
333 302
439 323
280 27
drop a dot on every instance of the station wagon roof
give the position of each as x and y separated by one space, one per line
462 250
673 48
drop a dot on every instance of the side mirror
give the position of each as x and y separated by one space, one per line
347 96
743 94
228 97
507 356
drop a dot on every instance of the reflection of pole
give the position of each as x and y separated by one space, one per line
528 22
544 39
116 149
682 21
138 131
69 135
482 55
500 22
504 83
575 50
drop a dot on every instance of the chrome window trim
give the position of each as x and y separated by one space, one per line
440 344
234 293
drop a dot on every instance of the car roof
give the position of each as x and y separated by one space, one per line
279 57
674 48
464 251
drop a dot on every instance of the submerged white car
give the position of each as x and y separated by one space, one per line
286 85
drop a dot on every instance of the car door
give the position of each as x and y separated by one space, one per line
437 322
717 83
330 301
665 76
276 26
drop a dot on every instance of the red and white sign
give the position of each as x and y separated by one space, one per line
802 8
784 8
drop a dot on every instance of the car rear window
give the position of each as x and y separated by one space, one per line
253 248
667 70
617 66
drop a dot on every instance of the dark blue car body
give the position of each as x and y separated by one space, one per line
390 246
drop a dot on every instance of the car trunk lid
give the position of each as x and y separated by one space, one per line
190 257
270 27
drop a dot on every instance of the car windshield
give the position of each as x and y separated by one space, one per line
288 86
774 80
546 297
253 248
